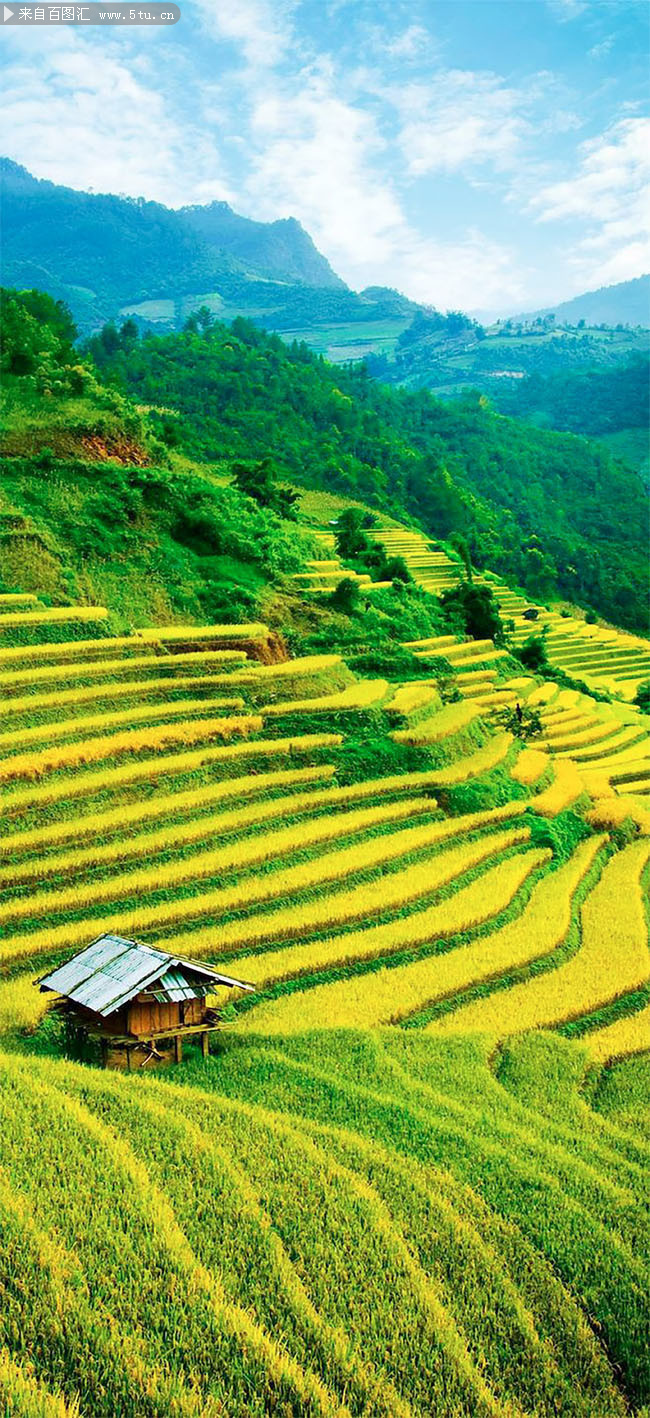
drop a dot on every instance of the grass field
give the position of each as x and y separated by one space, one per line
409 1180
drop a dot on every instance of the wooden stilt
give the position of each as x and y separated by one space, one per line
178 1048
205 1044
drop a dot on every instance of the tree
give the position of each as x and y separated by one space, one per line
351 539
129 334
258 480
476 609
533 654
395 569
642 697
459 543
346 597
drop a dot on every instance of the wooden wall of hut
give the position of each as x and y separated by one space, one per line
146 1017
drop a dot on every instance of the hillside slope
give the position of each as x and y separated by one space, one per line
104 252
627 303
266 1230
549 511
409 1179
333 1225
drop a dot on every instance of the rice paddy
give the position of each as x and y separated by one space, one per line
389 1192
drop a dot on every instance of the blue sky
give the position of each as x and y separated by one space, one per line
482 154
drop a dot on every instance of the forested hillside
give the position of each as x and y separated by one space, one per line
108 255
547 510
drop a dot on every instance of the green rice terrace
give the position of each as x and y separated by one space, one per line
409 1178
308 742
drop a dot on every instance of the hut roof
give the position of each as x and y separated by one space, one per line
111 971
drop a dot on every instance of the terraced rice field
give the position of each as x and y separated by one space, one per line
602 658
202 805
332 1215
333 1201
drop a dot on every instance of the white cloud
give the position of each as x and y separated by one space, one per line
599 51
261 29
93 117
609 197
410 44
568 9
313 156
321 158
613 172
460 120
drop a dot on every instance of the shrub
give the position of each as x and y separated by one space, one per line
346 597
642 696
533 654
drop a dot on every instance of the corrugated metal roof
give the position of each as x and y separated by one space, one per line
111 971
174 986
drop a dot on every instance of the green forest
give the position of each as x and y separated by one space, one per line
550 511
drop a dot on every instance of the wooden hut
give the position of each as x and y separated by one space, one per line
138 1003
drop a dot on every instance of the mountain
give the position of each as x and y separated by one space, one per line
281 250
104 254
110 258
627 303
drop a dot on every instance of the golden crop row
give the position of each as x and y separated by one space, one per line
367 1001
109 669
568 737
108 780
542 926
147 844
366 900
22 1396
254 673
434 642
620 737
169 708
628 1035
447 721
70 649
21 1007
54 615
609 811
303 877
167 634
612 959
473 764
566 787
275 846
359 695
485 896
114 1224
530 766
413 698
83 751
97 824
332 867
617 763
545 694
60 699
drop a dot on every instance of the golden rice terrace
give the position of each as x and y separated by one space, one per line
402 1183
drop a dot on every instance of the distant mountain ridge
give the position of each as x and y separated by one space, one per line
282 249
103 252
627 303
